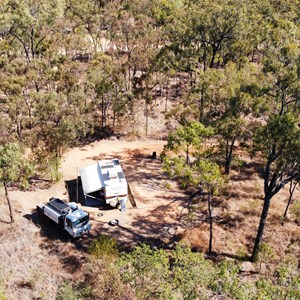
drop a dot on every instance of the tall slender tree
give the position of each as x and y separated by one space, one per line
13 168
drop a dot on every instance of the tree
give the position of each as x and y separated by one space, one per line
13 168
279 140
30 23
207 176
200 173
186 137
231 130
293 185
279 137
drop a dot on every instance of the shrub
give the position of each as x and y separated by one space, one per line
104 247
226 281
105 281
2 289
68 292
265 254
146 271
296 210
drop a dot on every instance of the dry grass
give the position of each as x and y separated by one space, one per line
237 218
34 264
28 270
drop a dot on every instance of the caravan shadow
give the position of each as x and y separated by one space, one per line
75 192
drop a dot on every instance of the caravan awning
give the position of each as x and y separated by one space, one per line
91 179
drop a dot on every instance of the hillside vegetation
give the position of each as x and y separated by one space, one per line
219 81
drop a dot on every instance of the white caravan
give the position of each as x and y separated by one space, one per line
105 180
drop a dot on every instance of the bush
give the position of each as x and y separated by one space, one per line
104 247
2 289
105 281
68 292
146 271
296 210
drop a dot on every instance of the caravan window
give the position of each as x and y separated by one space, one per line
121 175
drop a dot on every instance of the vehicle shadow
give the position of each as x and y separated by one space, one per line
59 243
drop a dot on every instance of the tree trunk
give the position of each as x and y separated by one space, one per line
214 53
291 190
9 204
166 102
201 105
147 120
210 223
187 155
261 227
102 112
228 158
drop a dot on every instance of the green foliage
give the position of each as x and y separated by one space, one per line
227 281
67 291
147 270
266 289
104 247
154 273
2 290
207 174
190 135
286 272
189 138
103 281
180 274
190 272
296 209
13 166
265 253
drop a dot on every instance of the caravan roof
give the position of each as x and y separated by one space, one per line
94 177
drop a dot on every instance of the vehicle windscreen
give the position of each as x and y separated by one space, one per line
81 222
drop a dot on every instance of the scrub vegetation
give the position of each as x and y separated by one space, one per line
218 81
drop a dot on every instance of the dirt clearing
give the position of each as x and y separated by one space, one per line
36 258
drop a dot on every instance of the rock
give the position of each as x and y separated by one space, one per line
247 266
172 231
263 268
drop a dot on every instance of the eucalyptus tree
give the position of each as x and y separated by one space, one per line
13 168
188 138
231 106
279 140
207 176
199 172
31 24
102 84
279 137
292 188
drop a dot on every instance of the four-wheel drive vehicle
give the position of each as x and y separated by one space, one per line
66 215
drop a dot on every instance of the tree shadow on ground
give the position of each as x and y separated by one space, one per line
157 227
247 170
230 221
59 243
218 257
5 222
99 133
